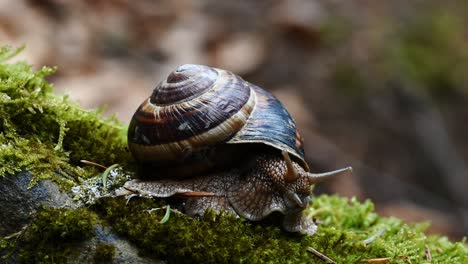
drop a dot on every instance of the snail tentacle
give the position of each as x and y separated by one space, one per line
291 173
321 177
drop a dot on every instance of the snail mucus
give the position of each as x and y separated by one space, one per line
222 143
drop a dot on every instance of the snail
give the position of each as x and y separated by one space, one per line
222 143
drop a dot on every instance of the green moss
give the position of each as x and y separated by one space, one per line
345 224
52 236
425 51
104 253
48 135
430 50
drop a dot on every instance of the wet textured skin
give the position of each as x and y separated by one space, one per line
253 192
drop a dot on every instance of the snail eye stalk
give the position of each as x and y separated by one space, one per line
291 173
321 177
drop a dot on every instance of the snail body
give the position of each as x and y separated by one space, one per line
225 144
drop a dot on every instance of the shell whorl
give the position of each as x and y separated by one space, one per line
194 108
183 84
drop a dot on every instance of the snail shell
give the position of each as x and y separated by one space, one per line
197 108
201 118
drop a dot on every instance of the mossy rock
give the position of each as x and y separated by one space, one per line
46 135
19 203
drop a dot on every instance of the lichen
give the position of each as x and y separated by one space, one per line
101 185
47 134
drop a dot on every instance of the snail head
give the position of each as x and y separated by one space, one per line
275 183
297 182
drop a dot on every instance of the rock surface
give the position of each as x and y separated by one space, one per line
19 204
124 251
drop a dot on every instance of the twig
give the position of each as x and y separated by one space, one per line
166 215
91 163
374 237
130 196
321 255
377 260
427 252
191 194
16 234
150 211
407 259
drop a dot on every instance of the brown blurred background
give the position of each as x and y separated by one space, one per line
379 85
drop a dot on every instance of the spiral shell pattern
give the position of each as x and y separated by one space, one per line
195 108
198 107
